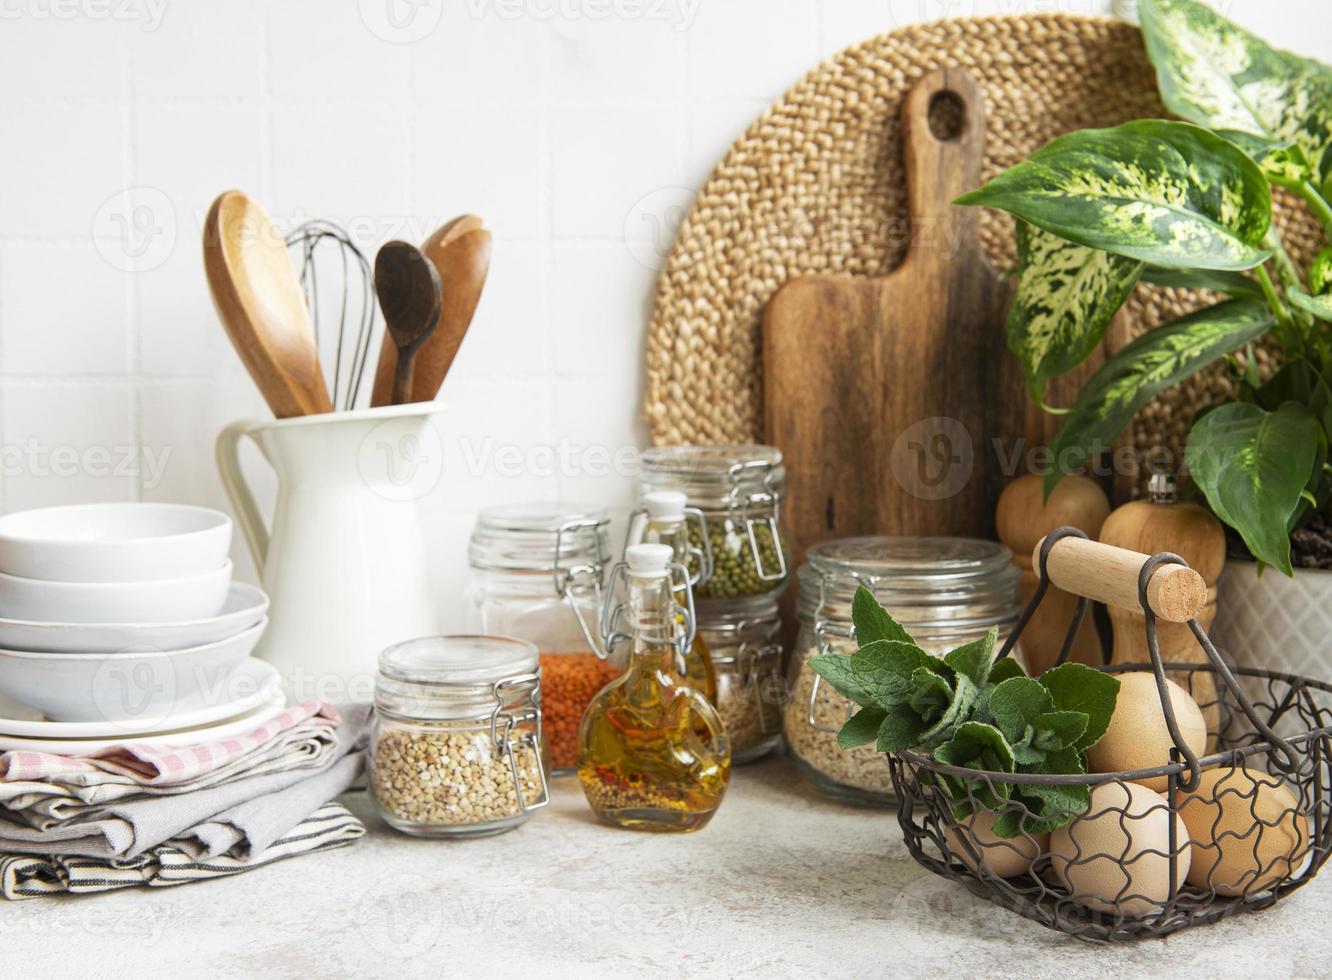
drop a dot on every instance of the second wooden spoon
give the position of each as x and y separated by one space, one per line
408 289
460 252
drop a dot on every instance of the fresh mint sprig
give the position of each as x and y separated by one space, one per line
973 712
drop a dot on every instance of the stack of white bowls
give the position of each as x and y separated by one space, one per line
126 616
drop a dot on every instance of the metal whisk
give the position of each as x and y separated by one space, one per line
355 309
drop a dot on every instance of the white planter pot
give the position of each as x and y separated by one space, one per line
1274 622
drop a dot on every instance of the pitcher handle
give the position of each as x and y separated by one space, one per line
227 454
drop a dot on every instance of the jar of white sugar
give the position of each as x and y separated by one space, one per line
944 591
456 748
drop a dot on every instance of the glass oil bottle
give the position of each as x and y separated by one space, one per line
653 754
665 520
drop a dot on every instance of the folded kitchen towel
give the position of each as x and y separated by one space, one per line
131 827
174 862
49 788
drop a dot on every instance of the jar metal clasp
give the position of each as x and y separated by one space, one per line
504 741
585 578
749 661
766 500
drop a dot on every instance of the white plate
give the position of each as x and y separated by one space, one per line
162 600
130 687
245 606
254 684
115 542
175 739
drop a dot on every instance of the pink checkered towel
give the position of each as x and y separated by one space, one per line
51 788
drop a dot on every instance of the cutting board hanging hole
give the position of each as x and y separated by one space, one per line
947 116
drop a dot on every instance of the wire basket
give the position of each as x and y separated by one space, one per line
1258 801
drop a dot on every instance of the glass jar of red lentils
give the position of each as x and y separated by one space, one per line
537 575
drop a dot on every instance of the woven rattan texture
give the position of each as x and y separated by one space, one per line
816 185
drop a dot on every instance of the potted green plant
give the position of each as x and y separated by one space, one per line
1188 203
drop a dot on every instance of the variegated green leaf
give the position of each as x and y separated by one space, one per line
1216 74
1236 285
1319 306
1320 273
1281 162
1168 193
1066 297
1143 369
1253 465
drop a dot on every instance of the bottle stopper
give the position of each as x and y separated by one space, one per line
666 506
649 560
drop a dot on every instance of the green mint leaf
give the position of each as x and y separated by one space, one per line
1016 704
1057 730
1028 756
887 667
1074 687
873 622
1008 824
900 730
838 671
930 693
974 658
959 711
1005 668
879 673
861 728
982 747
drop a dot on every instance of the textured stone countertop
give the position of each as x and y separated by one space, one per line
781 883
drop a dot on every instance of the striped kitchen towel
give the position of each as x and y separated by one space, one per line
131 827
175 862
45 790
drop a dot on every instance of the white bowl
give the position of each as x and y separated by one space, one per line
114 542
167 601
245 606
139 688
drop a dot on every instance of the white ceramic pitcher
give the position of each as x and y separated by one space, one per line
344 564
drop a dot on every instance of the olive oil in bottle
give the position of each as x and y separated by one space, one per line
667 523
653 754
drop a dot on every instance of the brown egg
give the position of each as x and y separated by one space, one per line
1115 857
1005 857
1138 737
1247 830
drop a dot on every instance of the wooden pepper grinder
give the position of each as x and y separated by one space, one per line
1023 518
1163 523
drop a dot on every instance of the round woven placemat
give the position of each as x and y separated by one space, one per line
816 185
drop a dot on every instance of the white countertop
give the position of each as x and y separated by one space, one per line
781 883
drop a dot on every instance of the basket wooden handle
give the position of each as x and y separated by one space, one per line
1104 573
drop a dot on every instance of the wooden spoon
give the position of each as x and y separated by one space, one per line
259 301
448 231
462 259
409 295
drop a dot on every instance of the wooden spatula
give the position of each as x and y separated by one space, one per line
258 299
408 289
885 394
460 252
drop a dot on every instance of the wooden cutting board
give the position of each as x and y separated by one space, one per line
886 394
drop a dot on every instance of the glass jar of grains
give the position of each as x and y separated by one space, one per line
455 748
737 491
741 637
944 591
537 574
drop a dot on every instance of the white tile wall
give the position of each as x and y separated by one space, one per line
578 128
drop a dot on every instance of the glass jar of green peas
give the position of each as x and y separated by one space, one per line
738 491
